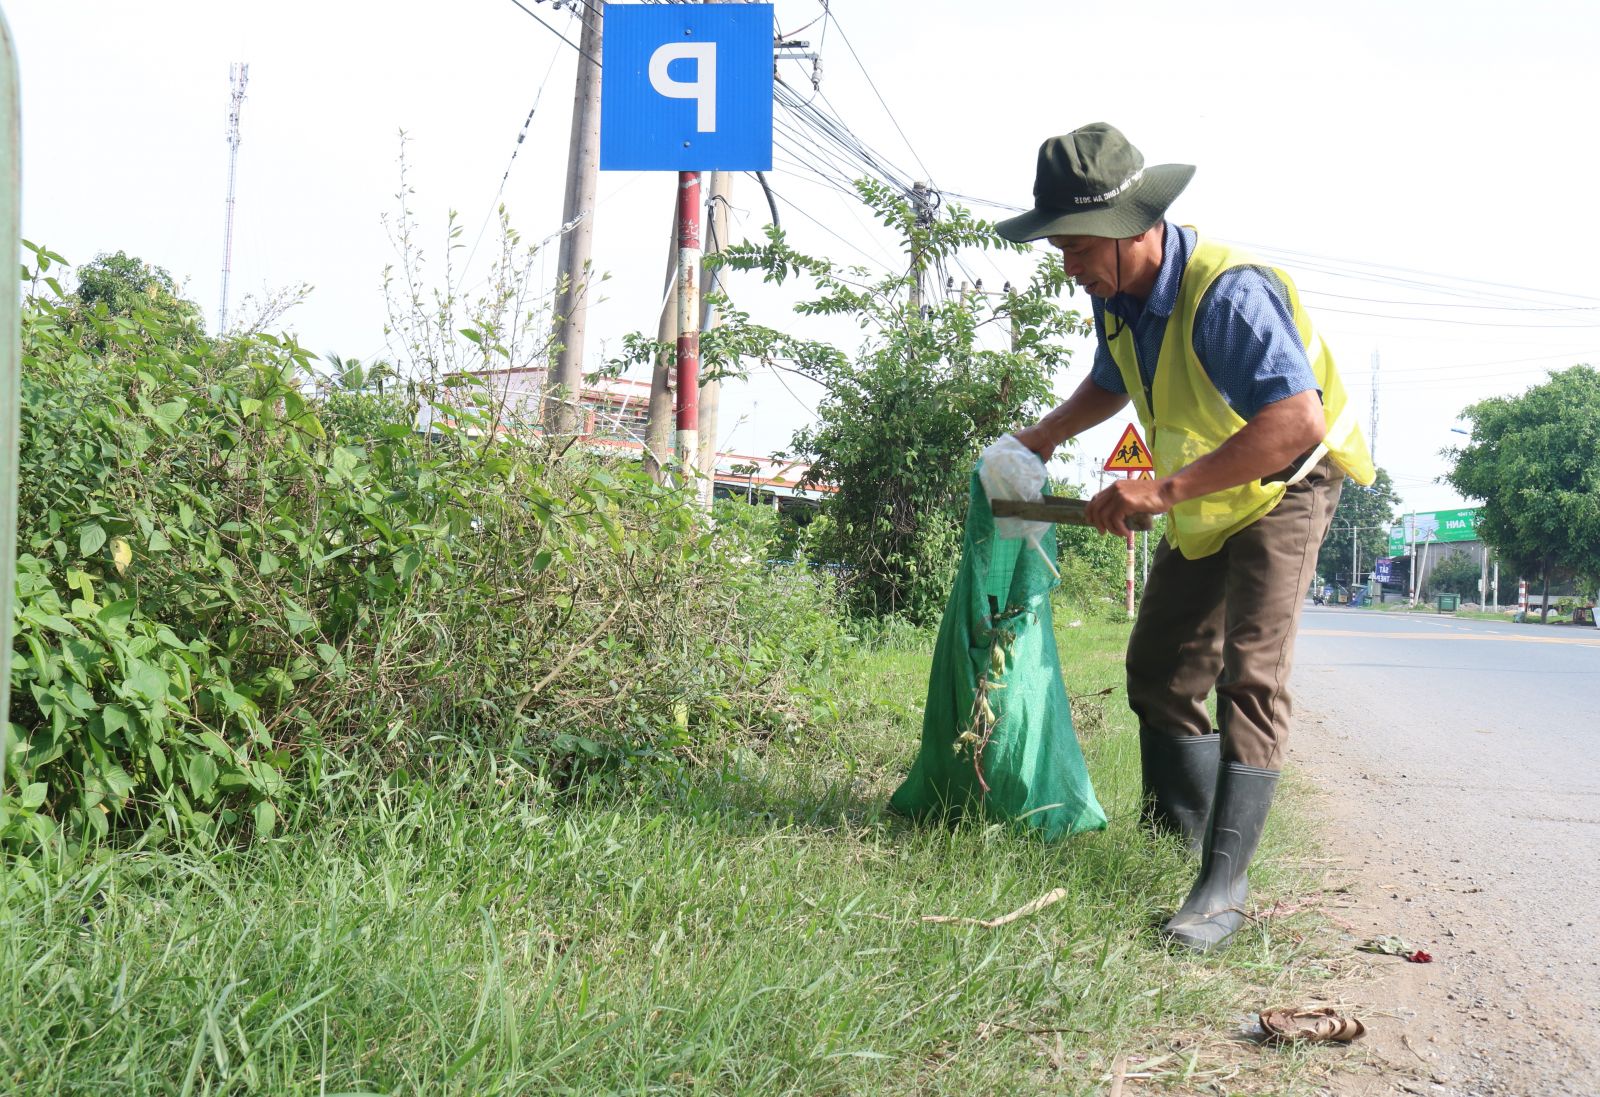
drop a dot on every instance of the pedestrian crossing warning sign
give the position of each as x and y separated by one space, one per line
1130 454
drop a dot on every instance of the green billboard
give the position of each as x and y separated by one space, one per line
1434 526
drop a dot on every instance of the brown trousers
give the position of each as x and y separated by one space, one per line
1228 621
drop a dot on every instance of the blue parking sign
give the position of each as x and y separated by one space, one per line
686 87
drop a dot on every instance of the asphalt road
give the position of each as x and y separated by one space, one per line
1460 762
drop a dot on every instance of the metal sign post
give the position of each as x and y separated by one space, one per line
1131 456
688 436
1132 564
687 88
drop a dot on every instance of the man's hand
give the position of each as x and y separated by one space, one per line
1108 511
1037 439
1089 404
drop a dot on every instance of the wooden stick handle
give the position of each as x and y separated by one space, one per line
1064 512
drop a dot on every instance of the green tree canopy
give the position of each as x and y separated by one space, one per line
900 428
1534 460
123 282
124 285
1371 512
1455 574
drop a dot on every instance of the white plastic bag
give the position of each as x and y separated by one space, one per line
1011 470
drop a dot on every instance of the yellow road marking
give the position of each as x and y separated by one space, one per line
1580 641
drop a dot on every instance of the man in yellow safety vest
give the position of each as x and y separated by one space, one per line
1252 435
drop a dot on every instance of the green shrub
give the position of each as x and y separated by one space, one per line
904 418
1094 567
217 596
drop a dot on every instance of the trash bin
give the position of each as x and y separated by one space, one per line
1448 603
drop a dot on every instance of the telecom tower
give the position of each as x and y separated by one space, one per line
239 72
1372 435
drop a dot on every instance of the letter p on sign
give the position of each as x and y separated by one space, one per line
686 87
702 89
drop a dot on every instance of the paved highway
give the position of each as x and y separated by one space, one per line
1461 766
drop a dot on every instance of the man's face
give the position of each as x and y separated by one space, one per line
1090 261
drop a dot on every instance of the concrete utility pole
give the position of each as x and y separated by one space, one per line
1413 569
1355 561
239 73
10 351
562 415
924 212
658 423
1372 436
1016 325
710 282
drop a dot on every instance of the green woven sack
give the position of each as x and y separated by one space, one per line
997 735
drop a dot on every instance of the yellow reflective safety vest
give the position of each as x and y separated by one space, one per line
1191 419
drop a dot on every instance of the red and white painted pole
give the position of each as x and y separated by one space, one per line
1132 563
1522 598
688 380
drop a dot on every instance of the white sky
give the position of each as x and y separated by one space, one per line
1408 146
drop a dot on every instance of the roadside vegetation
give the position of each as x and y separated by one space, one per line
754 928
1534 458
363 742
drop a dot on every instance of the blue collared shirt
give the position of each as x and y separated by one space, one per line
1244 333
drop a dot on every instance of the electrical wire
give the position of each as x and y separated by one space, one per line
1383 268
522 134
834 19
580 50
1457 305
1451 320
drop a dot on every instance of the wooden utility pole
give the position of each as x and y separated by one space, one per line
562 415
710 282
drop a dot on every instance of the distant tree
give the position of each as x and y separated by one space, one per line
360 400
1456 573
124 285
1534 460
1371 512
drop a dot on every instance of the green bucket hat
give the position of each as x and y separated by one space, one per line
1092 182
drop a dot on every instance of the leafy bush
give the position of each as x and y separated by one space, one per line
1094 572
903 421
217 597
1457 573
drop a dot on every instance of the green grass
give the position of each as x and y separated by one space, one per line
1505 616
754 933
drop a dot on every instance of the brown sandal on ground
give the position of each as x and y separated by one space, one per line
1322 1026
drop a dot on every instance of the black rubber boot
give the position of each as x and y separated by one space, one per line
1180 775
1215 907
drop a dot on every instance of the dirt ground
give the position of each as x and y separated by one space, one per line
1492 875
